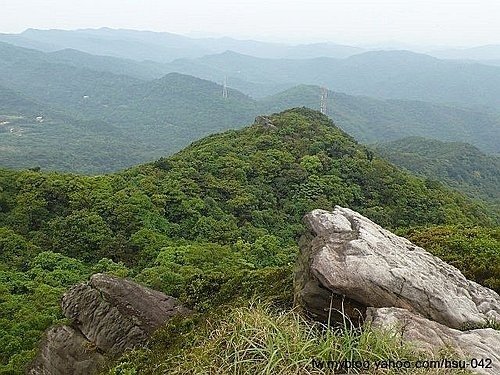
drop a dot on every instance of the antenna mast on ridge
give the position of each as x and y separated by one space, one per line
224 88
323 105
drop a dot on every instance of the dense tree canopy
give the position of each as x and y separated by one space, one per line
458 165
216 222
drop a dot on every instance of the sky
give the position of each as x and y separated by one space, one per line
361 22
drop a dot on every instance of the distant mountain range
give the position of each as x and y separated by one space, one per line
485 53
385 74
261 68
164 47
105 113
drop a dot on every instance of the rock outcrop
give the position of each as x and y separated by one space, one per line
350 267
265 122
480 344
108 315
352 263
64 350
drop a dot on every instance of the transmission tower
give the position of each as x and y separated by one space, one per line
224 88
323 105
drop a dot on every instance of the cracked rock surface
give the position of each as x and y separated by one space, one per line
64 351
427 335
108 315
349 263
350 267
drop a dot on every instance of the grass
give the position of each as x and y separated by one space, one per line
490 323
257 339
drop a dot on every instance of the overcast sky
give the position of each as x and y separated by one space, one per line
423 22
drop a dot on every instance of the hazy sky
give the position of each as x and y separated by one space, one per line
426 22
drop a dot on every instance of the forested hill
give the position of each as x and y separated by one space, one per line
370 120
303 161
15 103
100 122
215 222
238 184
145 120
459 165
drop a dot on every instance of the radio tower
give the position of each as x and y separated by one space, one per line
323 108
224 88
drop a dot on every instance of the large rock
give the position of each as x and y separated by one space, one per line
108 315
115 313
65 351
480 344
348 263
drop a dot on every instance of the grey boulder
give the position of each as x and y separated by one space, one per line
349 263
66 351
116 313
481 345
108 315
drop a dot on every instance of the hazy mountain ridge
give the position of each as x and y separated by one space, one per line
384 74
163 46
54 39
142 70
134 120
479 53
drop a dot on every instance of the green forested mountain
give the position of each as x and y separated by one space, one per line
15 103
62 86
99 121
158 117
458 165
35 134
213 223
100 95
183 101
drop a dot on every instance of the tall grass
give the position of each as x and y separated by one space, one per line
259 340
